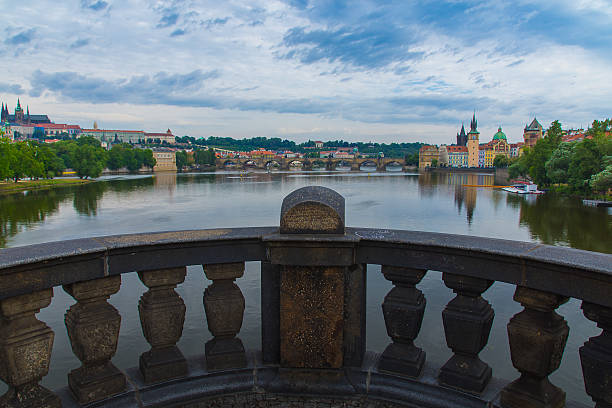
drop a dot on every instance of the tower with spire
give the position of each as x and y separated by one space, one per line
462 137
473 142
19 112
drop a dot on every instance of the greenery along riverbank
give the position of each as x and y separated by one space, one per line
31 159
583 167
23 185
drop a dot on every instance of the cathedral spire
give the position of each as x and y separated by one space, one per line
18 104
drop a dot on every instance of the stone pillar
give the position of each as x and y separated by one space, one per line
403 310
162 314
224 306
467 324
93 328
25 351
596 356
322 302
537 338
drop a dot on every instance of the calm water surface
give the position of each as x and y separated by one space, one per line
427 202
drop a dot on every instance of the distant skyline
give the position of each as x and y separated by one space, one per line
375 70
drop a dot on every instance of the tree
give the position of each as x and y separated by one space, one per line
434 162
602 181
557 166
585 162
6 151
88 160
181 160
554 134
501 161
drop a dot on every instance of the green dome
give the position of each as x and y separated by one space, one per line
499 135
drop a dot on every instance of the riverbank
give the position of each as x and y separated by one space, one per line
22 185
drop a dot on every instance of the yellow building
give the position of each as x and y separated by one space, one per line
166 160
472 143
427 153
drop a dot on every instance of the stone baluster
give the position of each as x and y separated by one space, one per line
25 351
403 310
93 328
224 306
596 356
467 322
537 338
162 315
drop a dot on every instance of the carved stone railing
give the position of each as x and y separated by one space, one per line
313 296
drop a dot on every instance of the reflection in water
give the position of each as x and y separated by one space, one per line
21 210
550 219
559 220
86 198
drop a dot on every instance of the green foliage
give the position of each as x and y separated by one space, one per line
204 157
501 161
557 167
602 181
124 155
585 161
181 159
434 162
88 160
412 159
5 159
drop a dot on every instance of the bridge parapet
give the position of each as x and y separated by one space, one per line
313 321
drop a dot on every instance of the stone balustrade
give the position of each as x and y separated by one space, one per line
313 298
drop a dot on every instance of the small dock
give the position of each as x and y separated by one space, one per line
597 203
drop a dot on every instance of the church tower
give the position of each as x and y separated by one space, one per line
462 137
473 142
18 113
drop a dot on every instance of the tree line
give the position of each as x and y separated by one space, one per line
200 157
85 155
583 167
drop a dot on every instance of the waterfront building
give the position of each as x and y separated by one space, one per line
19 117
53 129
532 133
427 153
165 159
167 137
481 155
516 149
472 143
111 136
499 144
458 156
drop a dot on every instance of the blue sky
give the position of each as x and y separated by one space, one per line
310 69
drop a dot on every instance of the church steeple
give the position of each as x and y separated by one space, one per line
18 105
474 123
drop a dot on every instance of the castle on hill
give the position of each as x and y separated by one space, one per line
19 117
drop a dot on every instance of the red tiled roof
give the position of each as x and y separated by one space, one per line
457 149
112 130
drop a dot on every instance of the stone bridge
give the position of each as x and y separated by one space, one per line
308 163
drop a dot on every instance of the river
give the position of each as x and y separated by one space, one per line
425 202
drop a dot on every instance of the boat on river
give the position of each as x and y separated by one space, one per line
523 188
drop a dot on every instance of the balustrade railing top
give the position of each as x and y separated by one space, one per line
313 324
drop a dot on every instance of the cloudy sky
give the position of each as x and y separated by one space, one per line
310 69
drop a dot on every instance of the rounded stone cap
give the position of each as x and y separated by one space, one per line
312 210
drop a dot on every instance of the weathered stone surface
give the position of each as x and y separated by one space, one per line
93 328
162 315
537 338
596 356
25 351
312 210
467 323
354 315
403 309
224 307
312 316
272 400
